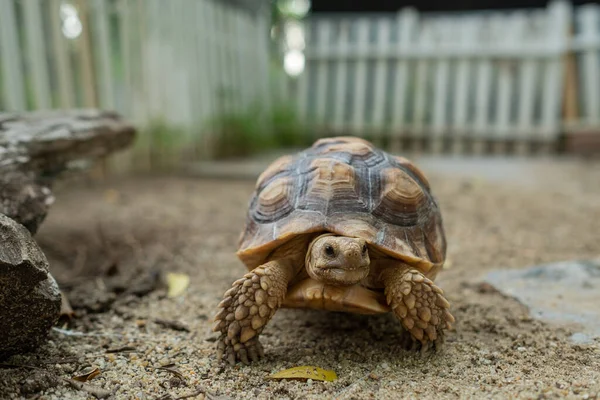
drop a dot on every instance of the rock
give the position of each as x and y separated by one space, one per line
566 293
24 200
37 147
29 296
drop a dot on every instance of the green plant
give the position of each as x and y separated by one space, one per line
238 134
287 129
256 130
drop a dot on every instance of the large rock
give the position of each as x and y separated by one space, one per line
29 296
36 147
565 293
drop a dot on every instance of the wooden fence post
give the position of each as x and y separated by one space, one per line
10 59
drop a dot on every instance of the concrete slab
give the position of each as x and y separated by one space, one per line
565 293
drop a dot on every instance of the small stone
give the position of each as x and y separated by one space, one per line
309 383
521 349
385 366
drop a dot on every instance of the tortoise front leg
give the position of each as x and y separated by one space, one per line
418 303
247 307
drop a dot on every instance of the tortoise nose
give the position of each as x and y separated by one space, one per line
356 251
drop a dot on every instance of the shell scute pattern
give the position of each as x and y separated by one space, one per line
346 186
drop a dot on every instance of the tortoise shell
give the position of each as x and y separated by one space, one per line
346 186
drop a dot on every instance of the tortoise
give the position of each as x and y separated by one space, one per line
341 226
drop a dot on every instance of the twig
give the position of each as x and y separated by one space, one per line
74 333
93 390
67 360
195 393
169 368
121 349
3 365
175 325
145 337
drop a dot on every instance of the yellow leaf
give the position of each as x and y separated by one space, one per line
306 372
112 196
177 284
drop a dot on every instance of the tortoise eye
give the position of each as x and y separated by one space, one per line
329 250
364 249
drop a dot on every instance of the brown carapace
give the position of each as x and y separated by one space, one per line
342 226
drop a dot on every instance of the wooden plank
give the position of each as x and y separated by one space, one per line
323 32
303 81
483 92
505 29
149 12
263 25
559 20
182 55
36 54
12 68
137 37
104 55
213 70
439 122
528 67
464 69
360 78
590 32
378 123
571 89
61 58
201 65
204 60
342 38
125 47
239 54
84 51
224 38
423 65
407 24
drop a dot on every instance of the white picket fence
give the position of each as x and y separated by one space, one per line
179 62
483 76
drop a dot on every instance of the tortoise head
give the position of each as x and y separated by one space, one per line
337 260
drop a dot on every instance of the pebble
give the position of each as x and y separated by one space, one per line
385 366
521 349
309 383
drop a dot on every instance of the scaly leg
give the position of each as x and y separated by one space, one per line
247 307
419 304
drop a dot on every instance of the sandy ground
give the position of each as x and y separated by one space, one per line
109 244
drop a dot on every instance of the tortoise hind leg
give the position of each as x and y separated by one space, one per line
247 307
419 304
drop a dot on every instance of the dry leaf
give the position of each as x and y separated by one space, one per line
140 323
177 283
111 196
66 311
88 375
306 372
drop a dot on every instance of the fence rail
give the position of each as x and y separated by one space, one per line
453 79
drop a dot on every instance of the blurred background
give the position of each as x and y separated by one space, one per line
207 80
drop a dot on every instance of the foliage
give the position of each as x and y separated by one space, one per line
256 131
